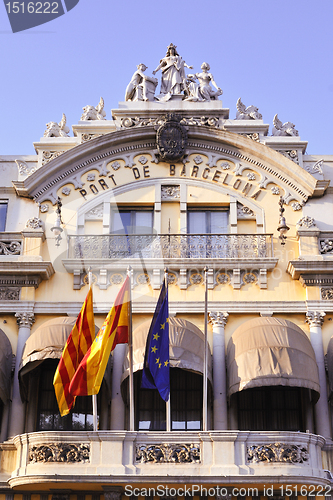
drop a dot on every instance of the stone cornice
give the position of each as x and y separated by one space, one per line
72 308
297 268
27 269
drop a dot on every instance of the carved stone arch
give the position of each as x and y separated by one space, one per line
76 161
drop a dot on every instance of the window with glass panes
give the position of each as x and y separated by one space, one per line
207 233
132 221
48 418
270 409
3 214
185 401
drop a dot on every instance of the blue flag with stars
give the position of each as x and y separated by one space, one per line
156 368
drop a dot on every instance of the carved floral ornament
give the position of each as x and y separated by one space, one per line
168 453
278 453
59 452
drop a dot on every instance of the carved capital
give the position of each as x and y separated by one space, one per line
218 318
315 318
25 319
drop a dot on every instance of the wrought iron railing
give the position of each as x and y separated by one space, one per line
170 246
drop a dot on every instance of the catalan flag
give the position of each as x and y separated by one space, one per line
89 375
156 368
78 343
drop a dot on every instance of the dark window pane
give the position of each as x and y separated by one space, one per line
3 215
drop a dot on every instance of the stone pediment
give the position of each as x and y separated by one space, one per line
125 146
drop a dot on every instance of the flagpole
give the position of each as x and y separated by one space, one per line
94 396
204 408
167 403
130 354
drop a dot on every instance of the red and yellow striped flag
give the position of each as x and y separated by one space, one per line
78 343
89 375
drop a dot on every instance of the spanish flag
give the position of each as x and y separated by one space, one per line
89 375
78 343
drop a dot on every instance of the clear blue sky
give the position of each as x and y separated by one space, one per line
276 55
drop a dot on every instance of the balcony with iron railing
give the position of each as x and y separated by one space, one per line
181 253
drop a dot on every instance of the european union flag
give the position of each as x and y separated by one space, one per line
156 368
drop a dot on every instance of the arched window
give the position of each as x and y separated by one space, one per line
48 417
185 401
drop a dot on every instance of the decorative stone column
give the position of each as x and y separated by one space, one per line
315 320
219 320
113 492
117 403
16 426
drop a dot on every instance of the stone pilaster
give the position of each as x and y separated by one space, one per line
219 320
112 492
315 320
25 321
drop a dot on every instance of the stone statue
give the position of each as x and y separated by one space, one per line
202 91
247 113
141 87
54 129
173 74
285 129
91 113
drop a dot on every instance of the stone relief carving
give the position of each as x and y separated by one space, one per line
201 91
116 279
143 279
247 113
172 67
66 191
54 129
94 113
244 212
196 279
24 168
89 137
141 87
115 165
34 223
251 176
44 208
166 453
290 153
278 452
50 155
170 192
326 293
296 206
197 160
91 177
283 129
95 213
306 222
208 121
316 168
143 160
10 293
13 247
223 279
60 452
171 139
275 190
254 137
325 245
249 278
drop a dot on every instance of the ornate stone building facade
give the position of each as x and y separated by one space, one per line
170 181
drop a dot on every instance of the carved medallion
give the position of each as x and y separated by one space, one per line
171 139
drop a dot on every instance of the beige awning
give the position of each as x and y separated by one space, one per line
268 352
47 342
330 368
6 357
186 347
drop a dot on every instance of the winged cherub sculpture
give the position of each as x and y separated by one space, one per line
91 113
54 129
247 113
285 129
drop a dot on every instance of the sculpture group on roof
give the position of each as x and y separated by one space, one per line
175 84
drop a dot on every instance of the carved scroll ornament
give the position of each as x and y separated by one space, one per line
277 452
59 452
165 453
